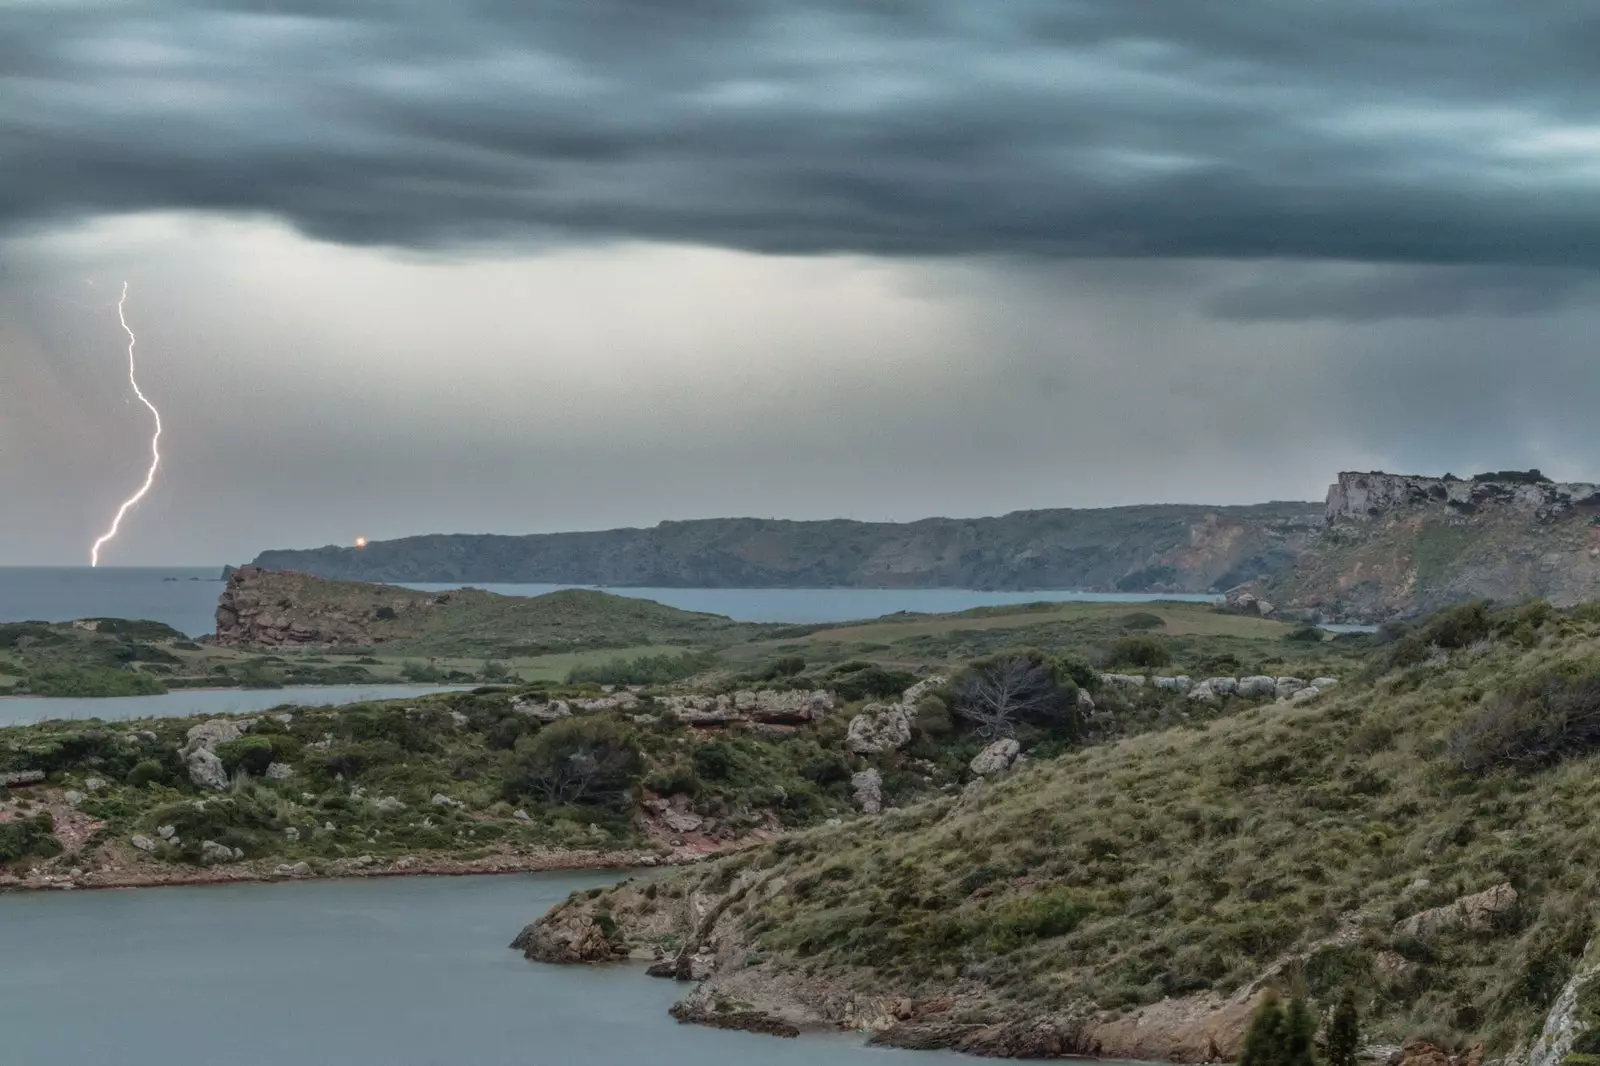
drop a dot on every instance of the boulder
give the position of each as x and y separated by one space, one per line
291 834
205 769
94 784
777 707
143 843
702 710
1223 686
1257 687
14 778
682 821
299 869
441 800
1085 701
212 853
879 727
1284 687
868 788
389 804
1203 693
997 758
1305 695
279 771
1173 684
1126 680
1477 912
73 798
1263 608
1324 683
208 734
913 695
166 832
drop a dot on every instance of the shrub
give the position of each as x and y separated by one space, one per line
579 761
1141 620
146 772
1142 651
1344 1030
251 754
28 837
865 681
385 614
1540 722
421 673
643 670
713 760
1306 634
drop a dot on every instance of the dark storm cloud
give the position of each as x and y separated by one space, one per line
1362 293
1425 133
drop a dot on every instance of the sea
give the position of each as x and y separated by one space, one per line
372 972
186 597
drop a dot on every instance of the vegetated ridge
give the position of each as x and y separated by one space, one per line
1423 835
1397 545
1158 547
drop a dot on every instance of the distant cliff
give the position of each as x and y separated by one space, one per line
1152 548
1395 545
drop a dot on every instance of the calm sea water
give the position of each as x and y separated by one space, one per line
186 598
400 972
25 710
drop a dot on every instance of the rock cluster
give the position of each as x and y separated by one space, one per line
200 750
564 935
867 786
1477 913
1361 497
768 706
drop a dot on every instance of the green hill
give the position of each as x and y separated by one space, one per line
1426 834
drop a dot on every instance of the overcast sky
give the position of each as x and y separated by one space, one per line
511 267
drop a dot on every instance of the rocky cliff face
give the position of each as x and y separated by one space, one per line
1156 548
263 609
1396 545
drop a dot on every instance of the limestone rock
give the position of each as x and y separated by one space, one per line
682 821
564 936
553 711
1284 687
212 853
13 778
1085 701
206 770
388 804
143 843
299 869
441 800
1173 684
1223 686
1203 693
1256 687
913 695
879 727
997 758
279 771
867 785
94 784
166 832
291 834
208 734
521 815
1125 680
1476 912
73 797
1324 683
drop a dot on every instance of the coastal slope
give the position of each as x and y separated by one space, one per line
1153 548
1400 546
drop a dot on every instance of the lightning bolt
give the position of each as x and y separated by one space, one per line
155 441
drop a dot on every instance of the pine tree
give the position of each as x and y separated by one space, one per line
1299 1035
1344 1030
1264 1043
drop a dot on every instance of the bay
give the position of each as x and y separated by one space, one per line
182 703
394 972
186 597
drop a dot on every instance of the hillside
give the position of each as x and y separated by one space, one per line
1425 834
1394 545
1163 548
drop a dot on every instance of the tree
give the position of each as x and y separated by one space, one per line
1264 1044
996 694
1344 1030
593 761
1299 1035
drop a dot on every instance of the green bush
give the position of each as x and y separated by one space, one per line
867 681
1145 652
28 838
1539 722
713 760
592 761
147 772
1140 620
643 670
250 754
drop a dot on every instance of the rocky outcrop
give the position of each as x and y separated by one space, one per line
1399 545
867 787
767 706
996 758
879 727
206 770
1575 1012
1477 913
265 609
564 936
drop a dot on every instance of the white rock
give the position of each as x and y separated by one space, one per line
291 834
1285 687
997 758
94 784
682 821
913 695
522 816
1173 684
1257 686
543 712
1305 695
208 734
1125 680
143 843
441 800
1203 693
879 727
458 718
212 853
73 797
868 788
167 832
1223 686
279 771
1324 683
299 869
205 769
